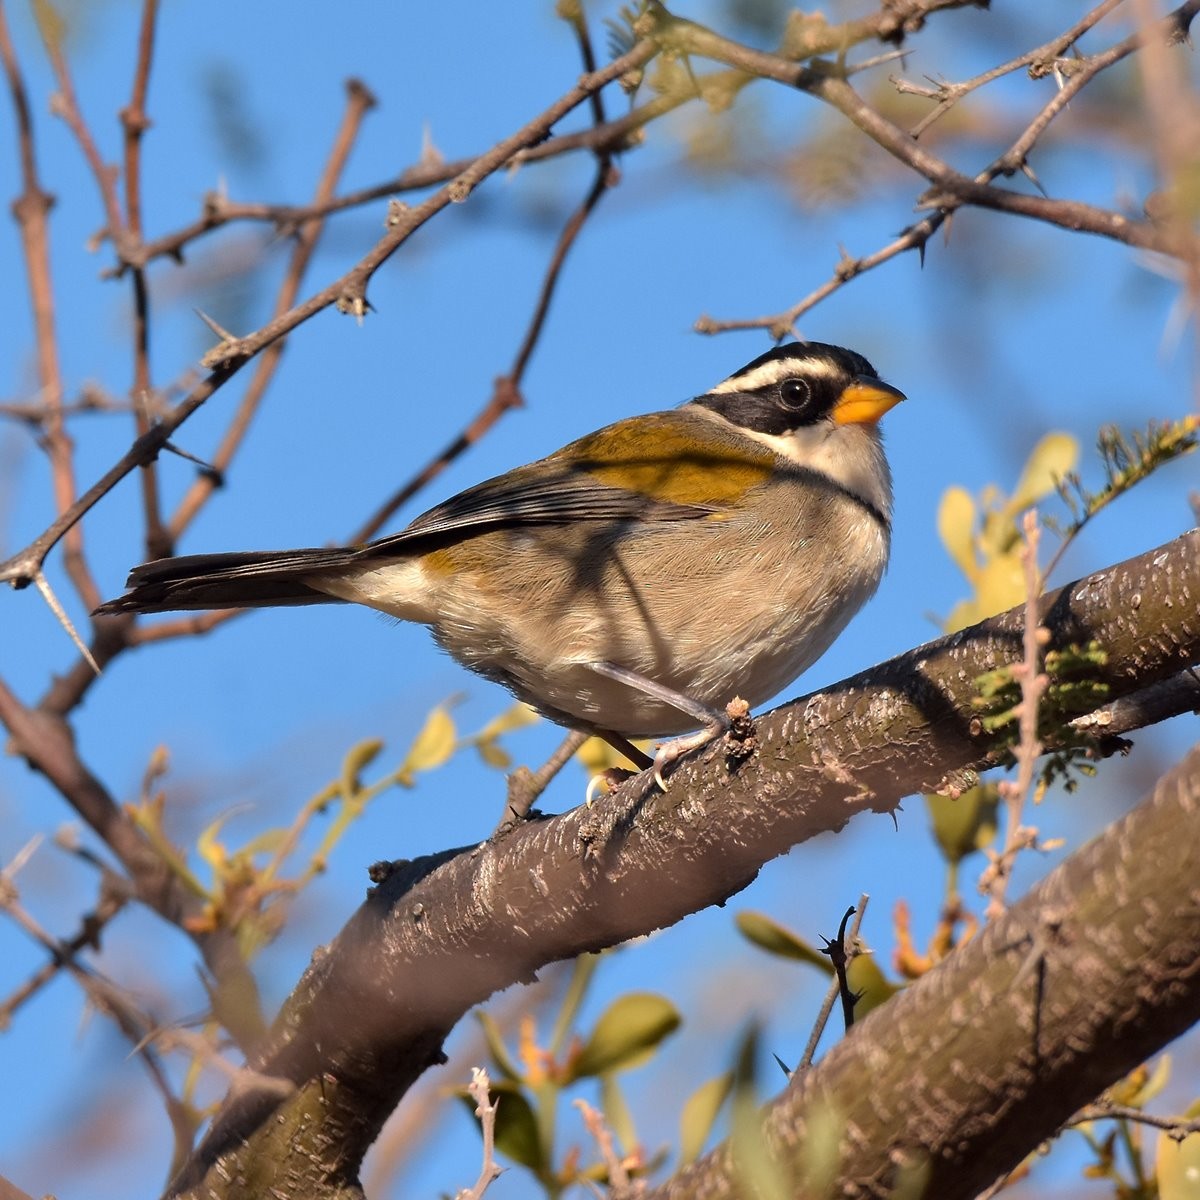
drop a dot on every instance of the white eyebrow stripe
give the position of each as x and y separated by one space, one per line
770 373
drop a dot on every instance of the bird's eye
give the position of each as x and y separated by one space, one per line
795 393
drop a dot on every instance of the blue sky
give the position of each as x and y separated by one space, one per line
1009 330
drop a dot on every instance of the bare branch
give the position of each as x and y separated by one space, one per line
32 209
359 101
348 293
951 189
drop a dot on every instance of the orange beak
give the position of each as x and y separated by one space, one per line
865 400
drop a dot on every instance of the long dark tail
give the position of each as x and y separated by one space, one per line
247 580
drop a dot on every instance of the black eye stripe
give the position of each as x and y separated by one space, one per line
776 408
757 411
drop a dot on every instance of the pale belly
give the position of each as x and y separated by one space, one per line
741 625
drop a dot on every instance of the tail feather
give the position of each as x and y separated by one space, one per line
245 580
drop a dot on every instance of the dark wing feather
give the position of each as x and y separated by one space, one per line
241 580
551 494
680 463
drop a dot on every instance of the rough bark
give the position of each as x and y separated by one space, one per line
961 1076
440 935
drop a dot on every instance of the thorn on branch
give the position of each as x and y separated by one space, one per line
838 955
55 606
1028 172
214 475
230 347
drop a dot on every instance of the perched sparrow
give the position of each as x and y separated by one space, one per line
632 583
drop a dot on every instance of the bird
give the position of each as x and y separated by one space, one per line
632 583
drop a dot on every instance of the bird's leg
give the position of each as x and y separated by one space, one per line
715 722
623 745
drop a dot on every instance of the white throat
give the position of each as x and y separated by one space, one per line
850 455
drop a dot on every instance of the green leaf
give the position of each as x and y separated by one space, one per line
631 1026
700 1115
496 1047
759 1172
871 985
965 825
822 1151
776 939
517 1135
616 1113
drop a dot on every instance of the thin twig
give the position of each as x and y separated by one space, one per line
109 999
619 1179
135 122
485 1110
32 209
114 895
1175 1127
612 137
1033 683
358 103
835 990
950 189
506 394
1039 61
525 786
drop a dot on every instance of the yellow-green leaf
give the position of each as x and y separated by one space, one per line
50 23
965 825
759 1172
434 744
210 850
956 526
776 939
700 1115
518 716
597 755
1049 461
1177 1167
631 1026
1000 585
358 758
494 755
1158 1079
820 1159
267 842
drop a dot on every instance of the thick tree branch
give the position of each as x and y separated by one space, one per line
958 1078
441 934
